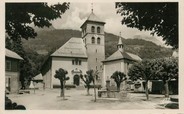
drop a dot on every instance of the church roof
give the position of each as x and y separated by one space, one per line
122 55
92 17
74 47
12 54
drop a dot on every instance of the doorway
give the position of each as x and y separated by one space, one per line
76 80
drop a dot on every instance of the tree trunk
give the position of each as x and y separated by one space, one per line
146 90
61 94
63 89
118 86
166 86
88 89
94 91
22 84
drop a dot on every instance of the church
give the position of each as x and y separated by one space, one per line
79 55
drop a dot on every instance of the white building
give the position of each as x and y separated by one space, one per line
12 71
78 54
118 61
71 57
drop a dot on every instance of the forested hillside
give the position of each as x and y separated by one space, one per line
48 41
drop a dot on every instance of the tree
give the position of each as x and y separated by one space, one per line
94 76
118 77
19 16
160 18
61 75
144 71
167 69
87 79
18 20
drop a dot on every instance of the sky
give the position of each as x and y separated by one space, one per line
79 11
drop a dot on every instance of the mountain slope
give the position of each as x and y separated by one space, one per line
148 38
48 41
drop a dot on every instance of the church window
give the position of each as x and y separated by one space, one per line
93 40
98 29
79 62
93 29
96 59
73 62
98 40
76 62
96 50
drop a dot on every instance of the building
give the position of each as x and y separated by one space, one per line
71 57
88 52
118 61
78 54
38 81
12 73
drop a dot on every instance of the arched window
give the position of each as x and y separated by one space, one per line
93 29
93 40
98 29
98 40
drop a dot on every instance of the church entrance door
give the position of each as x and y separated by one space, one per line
76 80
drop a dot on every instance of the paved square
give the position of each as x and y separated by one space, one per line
77 100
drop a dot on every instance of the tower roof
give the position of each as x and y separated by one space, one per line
93 18
72 48
120 41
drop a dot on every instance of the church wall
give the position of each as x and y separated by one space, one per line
128 64
110 67
47 79
66 63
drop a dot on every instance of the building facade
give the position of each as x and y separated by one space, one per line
119 61
78 54
12 73
71 57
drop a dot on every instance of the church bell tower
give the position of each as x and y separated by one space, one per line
93 37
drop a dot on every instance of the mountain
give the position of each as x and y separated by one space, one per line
50 40
37 29
148 38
